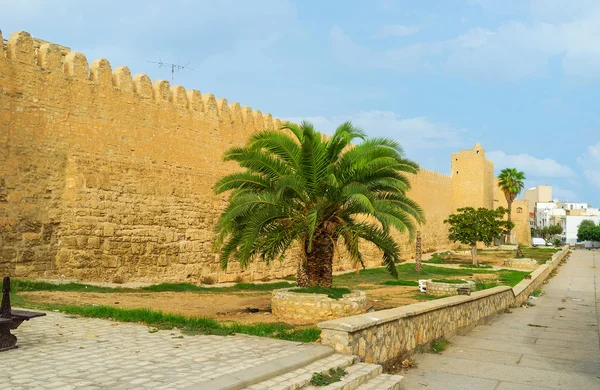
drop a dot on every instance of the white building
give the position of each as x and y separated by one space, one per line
544 213
573 206
570 225
537 194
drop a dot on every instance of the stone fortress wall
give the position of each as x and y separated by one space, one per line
108 177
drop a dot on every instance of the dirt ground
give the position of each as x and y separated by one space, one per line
491 257
222 307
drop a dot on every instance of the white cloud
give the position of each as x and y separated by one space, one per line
396 30
532 166
402 60
412 133
590 163
514 51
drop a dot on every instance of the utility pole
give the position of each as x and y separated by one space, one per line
174 67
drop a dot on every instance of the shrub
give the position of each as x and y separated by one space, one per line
329 377
439 345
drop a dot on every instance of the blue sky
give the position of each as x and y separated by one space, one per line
522 77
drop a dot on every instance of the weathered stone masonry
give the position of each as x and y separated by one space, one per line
388 335
108 176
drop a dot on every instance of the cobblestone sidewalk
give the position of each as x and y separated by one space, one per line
63 352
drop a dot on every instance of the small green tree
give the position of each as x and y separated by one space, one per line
554 230
591 233
470 226
548 232
586 223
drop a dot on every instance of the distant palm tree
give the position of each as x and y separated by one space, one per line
511 183
301 188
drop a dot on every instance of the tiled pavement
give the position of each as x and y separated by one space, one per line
553 345
62 352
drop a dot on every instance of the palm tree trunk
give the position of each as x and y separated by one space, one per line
301 275
319 262
418 253
508 240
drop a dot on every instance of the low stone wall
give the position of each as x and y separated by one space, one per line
439 288
389 335
311 308
527 286
521 263
386 335
502 247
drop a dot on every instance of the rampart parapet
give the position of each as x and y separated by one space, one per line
56 59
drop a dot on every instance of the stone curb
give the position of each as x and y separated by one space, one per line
362 321
250 376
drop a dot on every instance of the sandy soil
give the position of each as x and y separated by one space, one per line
222 307
495 258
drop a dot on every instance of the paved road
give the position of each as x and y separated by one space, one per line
553 345
62 352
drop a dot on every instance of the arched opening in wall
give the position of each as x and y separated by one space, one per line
478 152
519 210
457 172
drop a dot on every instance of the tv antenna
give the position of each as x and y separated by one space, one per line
174 67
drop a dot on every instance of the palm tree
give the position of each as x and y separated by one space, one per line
511 183
301 189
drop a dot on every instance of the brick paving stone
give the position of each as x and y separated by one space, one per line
60 351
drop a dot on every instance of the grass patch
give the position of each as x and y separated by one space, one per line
542 255
334 293
427 297
407 274
328 377
482 284
449 281
511 278
439 345
401 283
189 325
263 286
175 287
537 292
406 271
29 285
436 258
475 266
18 285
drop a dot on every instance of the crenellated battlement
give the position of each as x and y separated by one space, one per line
56 60
105 175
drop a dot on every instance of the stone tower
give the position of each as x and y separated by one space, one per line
472 179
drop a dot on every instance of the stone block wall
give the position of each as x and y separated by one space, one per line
386 336
441 289
105 175
311 308
521 263
526 287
